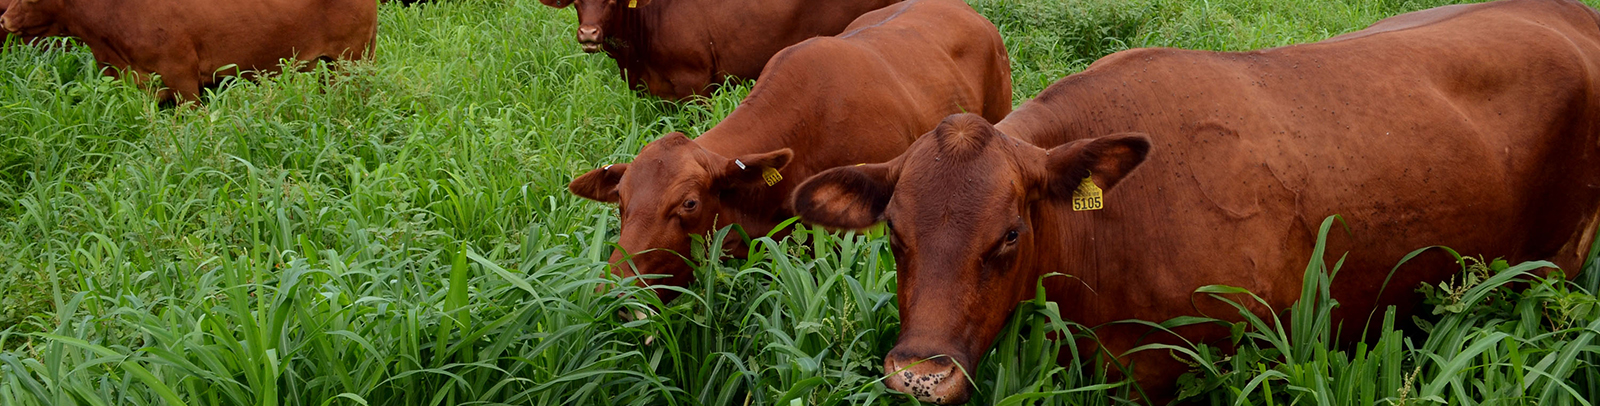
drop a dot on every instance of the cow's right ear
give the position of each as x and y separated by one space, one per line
556 3
849 197
1105 159
600 184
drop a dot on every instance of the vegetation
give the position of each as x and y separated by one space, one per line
398 233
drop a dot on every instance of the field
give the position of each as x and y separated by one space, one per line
399 233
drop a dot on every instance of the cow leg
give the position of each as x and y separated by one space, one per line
145 81
682 84
182 88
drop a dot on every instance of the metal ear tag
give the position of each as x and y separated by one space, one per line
741 164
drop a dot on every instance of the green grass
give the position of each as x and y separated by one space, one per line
399 233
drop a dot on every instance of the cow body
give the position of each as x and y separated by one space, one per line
193 43
860 97
679 48
1475 127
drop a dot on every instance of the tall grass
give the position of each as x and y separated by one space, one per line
397 232
1503 336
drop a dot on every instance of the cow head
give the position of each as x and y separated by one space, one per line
959 205
28 17
672 190
593 17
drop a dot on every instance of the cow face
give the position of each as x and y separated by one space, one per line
28 17
593 17
959 205
672 190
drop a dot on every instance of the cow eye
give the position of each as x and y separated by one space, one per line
1011 237
690 204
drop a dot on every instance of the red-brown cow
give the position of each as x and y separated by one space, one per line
680 48
862 96
1476 127
193 43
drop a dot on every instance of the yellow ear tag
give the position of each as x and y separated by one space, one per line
633 3
1088 196
771 176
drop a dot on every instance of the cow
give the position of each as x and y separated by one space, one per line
1155 172
680 48
194 43
859 97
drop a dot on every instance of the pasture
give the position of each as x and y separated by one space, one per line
399 233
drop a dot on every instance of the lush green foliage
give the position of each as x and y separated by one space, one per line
398 233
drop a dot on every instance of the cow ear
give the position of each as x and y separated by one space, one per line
755 169
556 3
1107 159
849 197
600 184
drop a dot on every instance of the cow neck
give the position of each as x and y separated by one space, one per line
630 28
1071 110
759 126
108 47
1050 120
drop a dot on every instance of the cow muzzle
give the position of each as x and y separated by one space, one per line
932 380
589 39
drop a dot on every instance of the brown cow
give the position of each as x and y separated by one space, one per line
192 43
1470 126
862 96
680 48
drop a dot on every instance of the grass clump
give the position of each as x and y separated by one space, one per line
1503 335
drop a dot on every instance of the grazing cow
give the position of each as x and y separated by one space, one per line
192 43
679 48
1475 126
862 96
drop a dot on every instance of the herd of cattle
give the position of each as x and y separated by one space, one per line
1150 174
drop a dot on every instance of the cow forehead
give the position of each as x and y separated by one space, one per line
664 172
987 174
960 199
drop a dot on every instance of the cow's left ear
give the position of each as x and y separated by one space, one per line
755 169
600 184
1107 159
